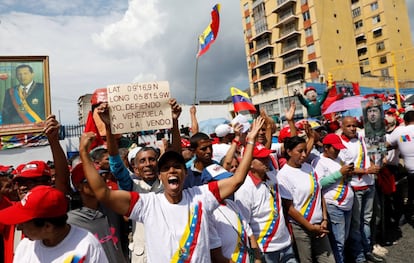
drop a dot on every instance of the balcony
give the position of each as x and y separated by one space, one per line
286 18
283 4
290 48
257 3
262 45
261 34
287 32
264 60
291 64
266 76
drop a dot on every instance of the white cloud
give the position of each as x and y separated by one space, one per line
141 23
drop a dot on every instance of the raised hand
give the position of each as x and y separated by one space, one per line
86 140
175 108
290 113
52 127
255 128
103 111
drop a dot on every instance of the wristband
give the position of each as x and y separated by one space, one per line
236 142
325 220
250 142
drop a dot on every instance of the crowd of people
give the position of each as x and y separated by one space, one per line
239 195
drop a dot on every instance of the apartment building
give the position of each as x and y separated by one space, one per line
293 42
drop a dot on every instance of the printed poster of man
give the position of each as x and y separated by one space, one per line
374 127
24 94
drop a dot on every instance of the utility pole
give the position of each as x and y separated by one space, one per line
397 87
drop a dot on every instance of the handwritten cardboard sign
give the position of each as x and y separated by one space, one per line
139 107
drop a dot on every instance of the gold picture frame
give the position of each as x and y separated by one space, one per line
24 94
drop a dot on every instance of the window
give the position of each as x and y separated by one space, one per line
308 32
383 59
377 32
385 73
249 32
247 19
311 49
374 6
358 24
306 16
376 19
380 46
356 12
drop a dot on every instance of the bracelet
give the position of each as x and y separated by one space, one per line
250 142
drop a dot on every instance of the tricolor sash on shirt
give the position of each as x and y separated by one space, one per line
309 206
361 158
270 229
189 238
26 113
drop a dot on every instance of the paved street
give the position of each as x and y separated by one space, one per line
403 250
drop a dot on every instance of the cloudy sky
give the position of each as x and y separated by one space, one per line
92 44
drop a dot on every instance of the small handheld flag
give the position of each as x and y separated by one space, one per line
241 101
209 34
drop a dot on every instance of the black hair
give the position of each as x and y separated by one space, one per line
24 66
291 142
59 221
409 116
98 154
199 136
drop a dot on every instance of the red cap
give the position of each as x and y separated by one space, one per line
40 202
98 96
260 151
334 140
185 143
6 168
309 89
283 134
33 169
77 175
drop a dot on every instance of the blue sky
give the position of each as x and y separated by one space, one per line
92 44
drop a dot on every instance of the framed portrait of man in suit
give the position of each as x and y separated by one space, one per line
24 94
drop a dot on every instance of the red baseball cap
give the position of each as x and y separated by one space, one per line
334 140
98 96
283 134
40 202
77 175
33 169
260 151
309 89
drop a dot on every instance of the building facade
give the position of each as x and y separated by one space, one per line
292 42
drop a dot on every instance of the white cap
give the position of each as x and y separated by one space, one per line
132 153
222 130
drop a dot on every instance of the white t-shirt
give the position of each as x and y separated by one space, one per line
339 193
301 185
219 151
261 205
232 229
78 244
176 231
403 136
356 152
393 156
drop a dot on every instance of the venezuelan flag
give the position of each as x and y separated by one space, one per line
209 34
241 101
